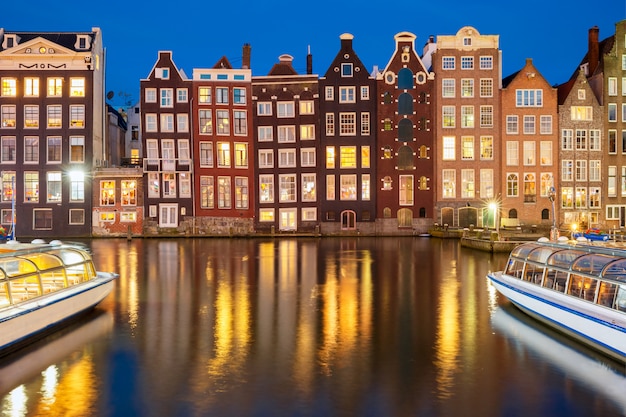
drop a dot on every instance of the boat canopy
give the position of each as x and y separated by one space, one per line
607 265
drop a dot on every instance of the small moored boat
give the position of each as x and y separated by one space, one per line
577 288
43 285
592 234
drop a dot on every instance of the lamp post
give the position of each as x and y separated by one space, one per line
554 232
494 207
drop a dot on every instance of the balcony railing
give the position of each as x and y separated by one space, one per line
167 165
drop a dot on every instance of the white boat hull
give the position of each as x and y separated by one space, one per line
601 328
21 322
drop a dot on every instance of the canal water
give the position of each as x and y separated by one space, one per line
305 327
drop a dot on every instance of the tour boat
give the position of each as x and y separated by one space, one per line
44 284
576 287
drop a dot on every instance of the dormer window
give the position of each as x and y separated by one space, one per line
346 70
162 73
10 41
82 42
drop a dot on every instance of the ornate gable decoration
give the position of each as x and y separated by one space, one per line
40 53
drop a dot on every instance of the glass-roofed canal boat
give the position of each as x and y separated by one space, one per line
576 287
43 285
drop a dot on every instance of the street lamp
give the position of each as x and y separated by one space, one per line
494 206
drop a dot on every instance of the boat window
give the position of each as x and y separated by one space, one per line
616 271
70 256
592 263
540 254
44 261
606 295
620 300
589 289
575 285
522 251
514 268
564 258
558 282
534 273
15 266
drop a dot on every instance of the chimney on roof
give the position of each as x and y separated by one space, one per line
247 51
593 53
309 61
346 41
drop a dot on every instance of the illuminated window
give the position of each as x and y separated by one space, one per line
365 187
467 87
309 187
287 188
31 187
107 193
486 87
467 183
449 152
31 87
54 116
486 148
241 155
365 124
223 154
449 118
467 147
7 115
348 186
241 193
307 107
129 192
307 132
204 95
77 115
107 216
406 190
347 124
449 183
266 188
55 87
347 156
223 193
330 124
223 122
77 187
330 157
128 217
206 122
266 215
207 192
31 116
9 87
467 116
77 87
167 122
365 156
330 187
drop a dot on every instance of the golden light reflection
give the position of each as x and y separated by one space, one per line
447 336
75 392
14 404
49 384
232 331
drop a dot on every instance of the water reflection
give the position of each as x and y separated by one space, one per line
307 327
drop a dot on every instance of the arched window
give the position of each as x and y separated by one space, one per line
387 124
422 212
405 158
405 104
545 214
513 214
423 151
386 212
387 99
405 79
405 130
387 183
423 183
387 152
512 185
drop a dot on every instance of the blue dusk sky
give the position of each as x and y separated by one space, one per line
552 33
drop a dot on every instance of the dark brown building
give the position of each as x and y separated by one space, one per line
347 165
166 140
51 130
